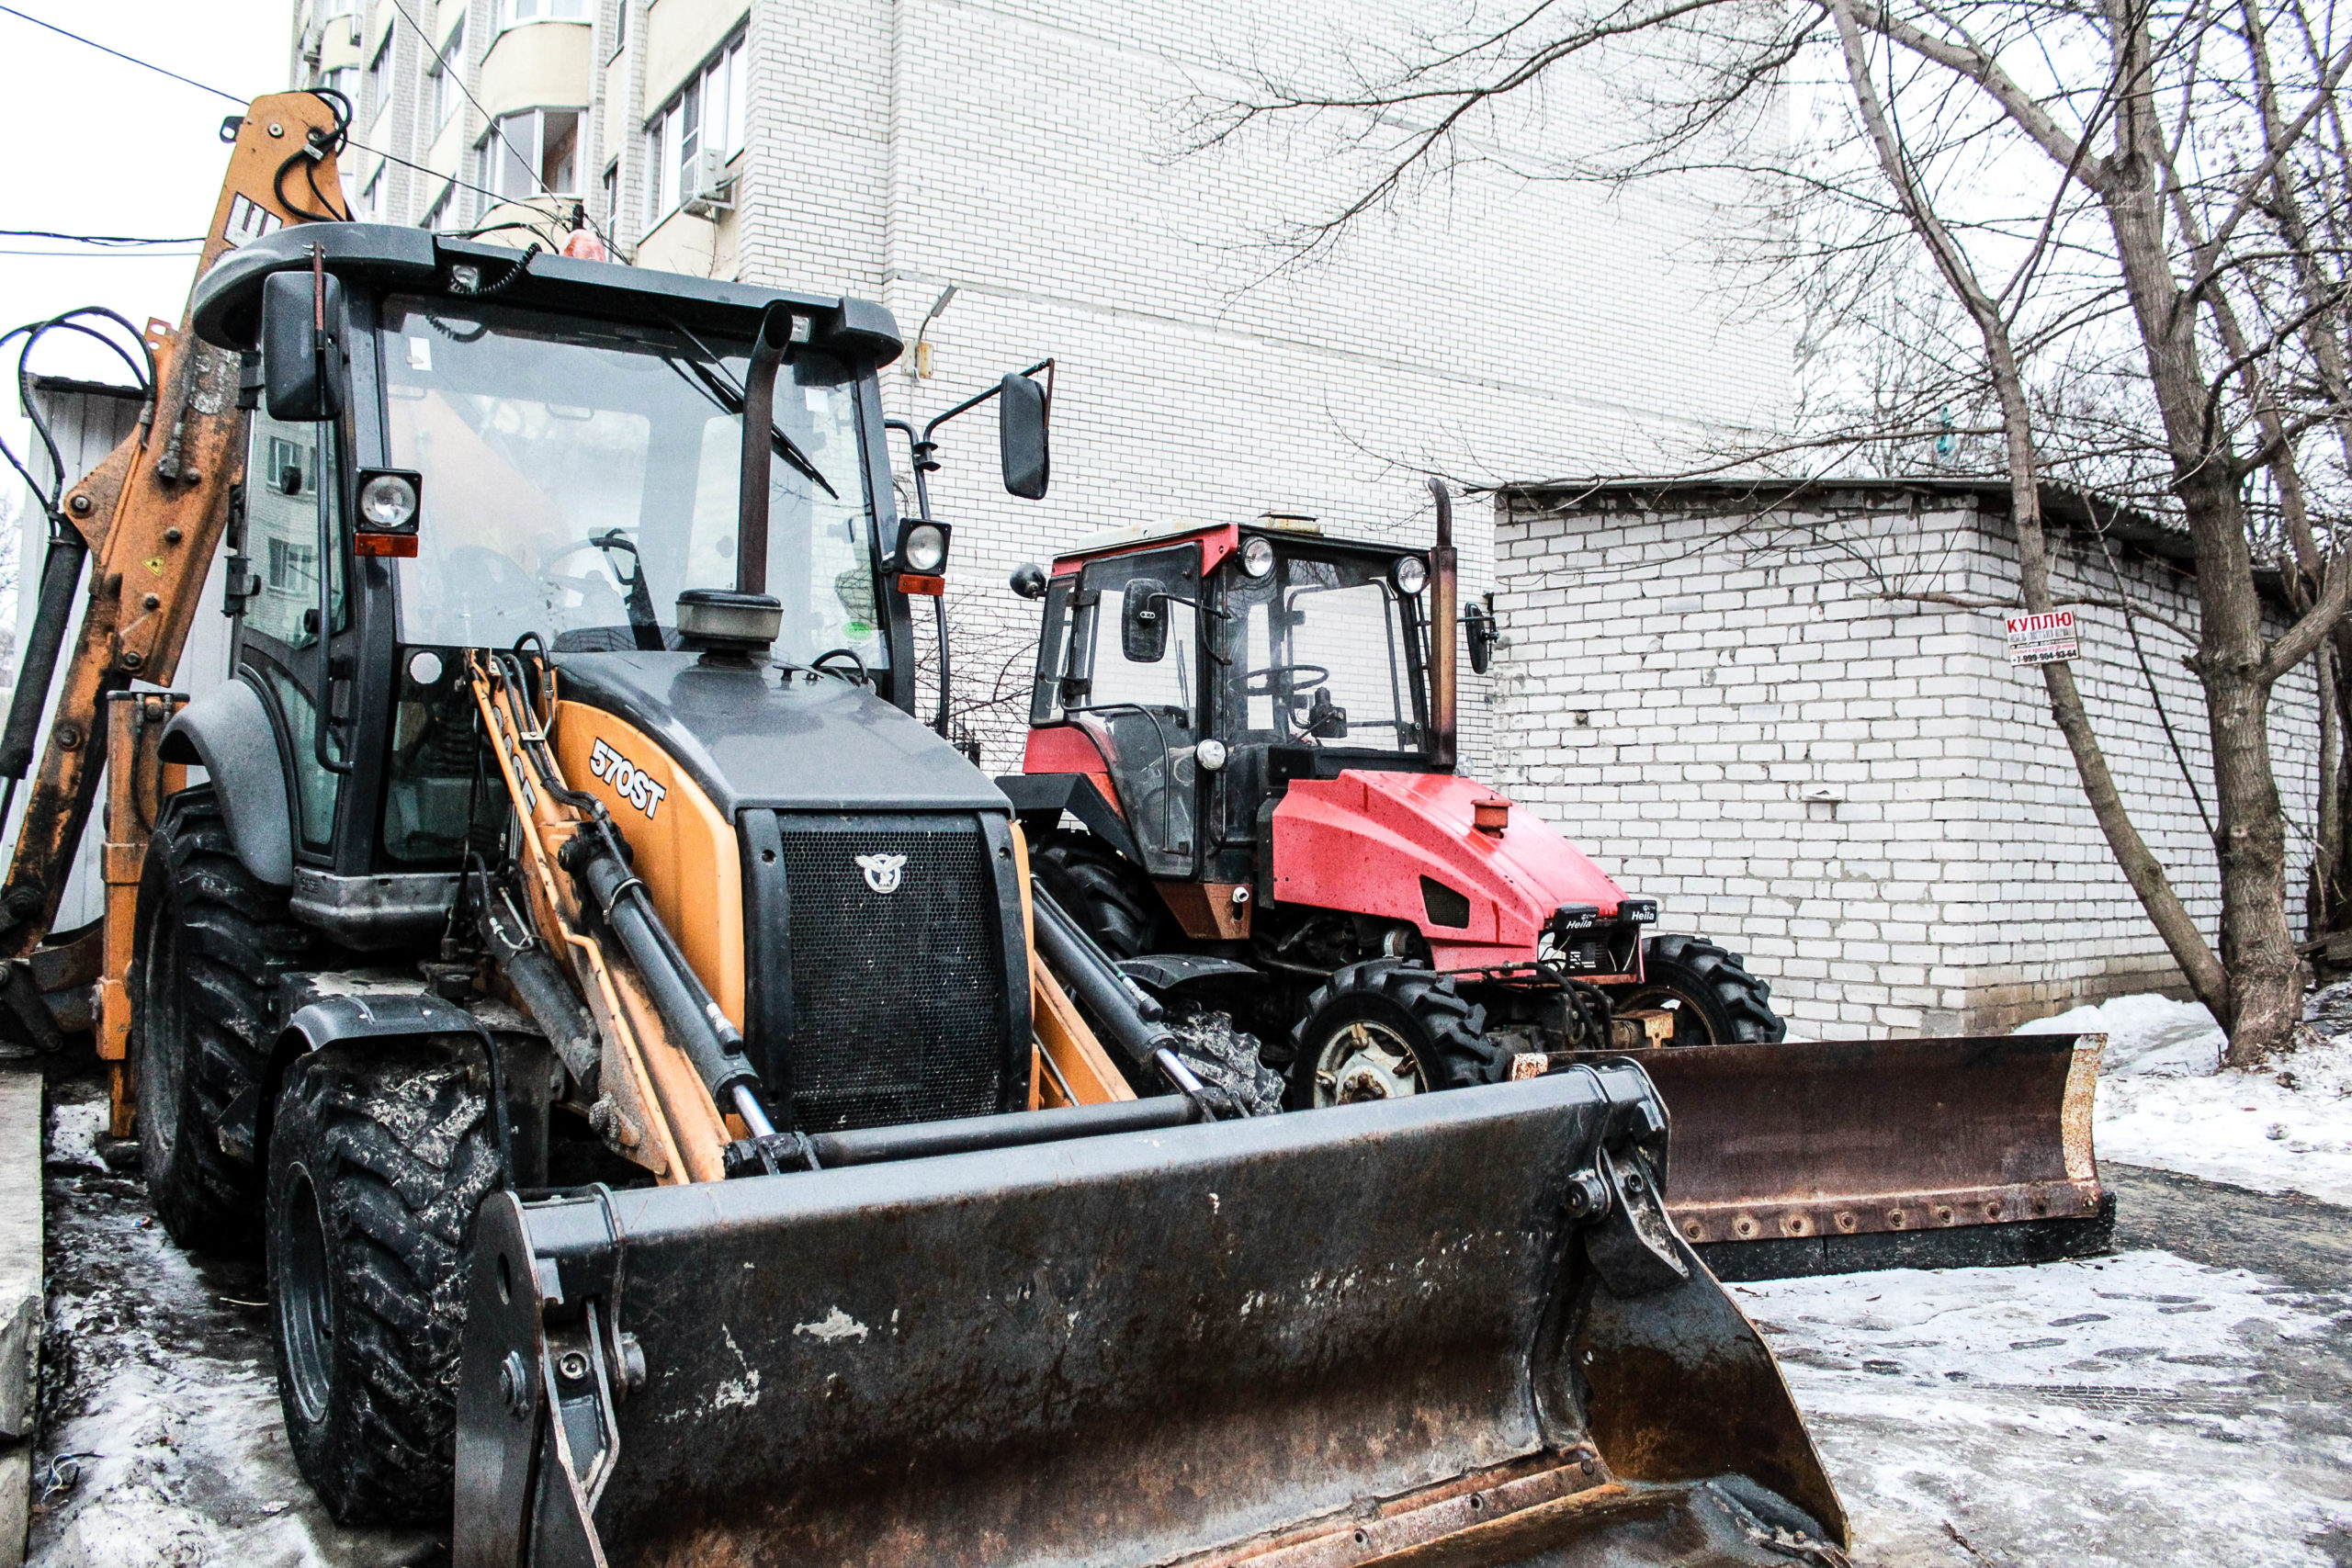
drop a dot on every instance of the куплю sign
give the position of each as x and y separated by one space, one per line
2042 639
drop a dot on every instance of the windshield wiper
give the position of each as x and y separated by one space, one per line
730 398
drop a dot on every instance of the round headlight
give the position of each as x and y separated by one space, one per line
1412 575
1210 755
1258 557
388 502
923 551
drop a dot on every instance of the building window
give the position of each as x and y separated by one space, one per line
449 78
371 200
706 117
514 13
620 27
438 215
611 190
330 9
527 154
344 79
379 82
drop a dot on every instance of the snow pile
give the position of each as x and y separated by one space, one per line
2165 1099
161 1445
2056 1415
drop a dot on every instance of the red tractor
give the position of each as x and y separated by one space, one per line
1253 728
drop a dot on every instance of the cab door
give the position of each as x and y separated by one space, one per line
1136 656
288 545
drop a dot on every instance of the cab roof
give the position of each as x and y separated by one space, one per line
1142 536
379 255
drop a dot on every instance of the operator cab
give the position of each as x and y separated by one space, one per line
452 446
1205 665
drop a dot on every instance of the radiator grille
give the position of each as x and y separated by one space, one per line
898 998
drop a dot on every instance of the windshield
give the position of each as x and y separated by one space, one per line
580 474
1329 655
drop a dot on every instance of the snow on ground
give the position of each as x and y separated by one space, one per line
161 1445
2165 1101
2139 1411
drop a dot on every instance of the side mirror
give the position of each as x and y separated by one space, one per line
1480 631
1143 622
1021 436
1029 580
300 384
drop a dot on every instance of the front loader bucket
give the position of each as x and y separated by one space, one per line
1370 1334
1810 1156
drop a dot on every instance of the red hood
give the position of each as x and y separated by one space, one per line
1363 842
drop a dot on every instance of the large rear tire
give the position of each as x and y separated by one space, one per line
211 942
1108 896
378 1162
1384 1029
1714 1000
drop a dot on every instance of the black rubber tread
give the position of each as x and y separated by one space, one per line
1445 1032
1106 894
1226 1060
211 942
398 1147
1735 1006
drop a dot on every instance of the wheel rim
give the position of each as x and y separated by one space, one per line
1689 1017
162 1066
1364 1061
306 1304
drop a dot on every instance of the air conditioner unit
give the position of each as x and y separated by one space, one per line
709 187
312 37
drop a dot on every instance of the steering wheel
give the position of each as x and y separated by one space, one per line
481 583
1289 677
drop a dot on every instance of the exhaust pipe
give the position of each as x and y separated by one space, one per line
1443 584
759 418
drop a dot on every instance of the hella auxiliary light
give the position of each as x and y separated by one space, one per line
1412 575
922 556
390 507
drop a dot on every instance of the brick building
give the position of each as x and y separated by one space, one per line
1026 154
1745 703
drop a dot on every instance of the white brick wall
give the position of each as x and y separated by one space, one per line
1675 680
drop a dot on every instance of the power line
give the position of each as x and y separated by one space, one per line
97 239
143 65
114 255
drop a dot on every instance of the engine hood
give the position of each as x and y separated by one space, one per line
1368 841
776 740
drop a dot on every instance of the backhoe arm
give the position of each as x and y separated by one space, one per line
149 517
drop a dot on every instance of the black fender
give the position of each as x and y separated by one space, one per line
227 732
1039 800
1166 973
331 1010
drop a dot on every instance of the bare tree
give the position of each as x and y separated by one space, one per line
2098 241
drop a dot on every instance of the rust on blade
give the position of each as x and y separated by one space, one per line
1798 1139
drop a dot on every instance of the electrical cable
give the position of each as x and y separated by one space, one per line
97 239
143 65
108 254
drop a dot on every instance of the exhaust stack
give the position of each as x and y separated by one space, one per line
1443 584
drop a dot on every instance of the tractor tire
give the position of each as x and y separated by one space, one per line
211 942
1387 1028
1108 896
377 1160
1228 1062
1715 1000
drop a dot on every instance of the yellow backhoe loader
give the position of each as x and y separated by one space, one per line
620 1021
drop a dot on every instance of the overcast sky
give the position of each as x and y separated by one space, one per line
98 146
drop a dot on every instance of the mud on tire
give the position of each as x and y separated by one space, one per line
1228 1062
1110 898
211 942
1716 1001
1389 1010
378 1161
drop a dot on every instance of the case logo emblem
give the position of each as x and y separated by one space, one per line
627 779
882 872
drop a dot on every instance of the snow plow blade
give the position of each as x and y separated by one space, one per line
1818 1157
1449 1329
